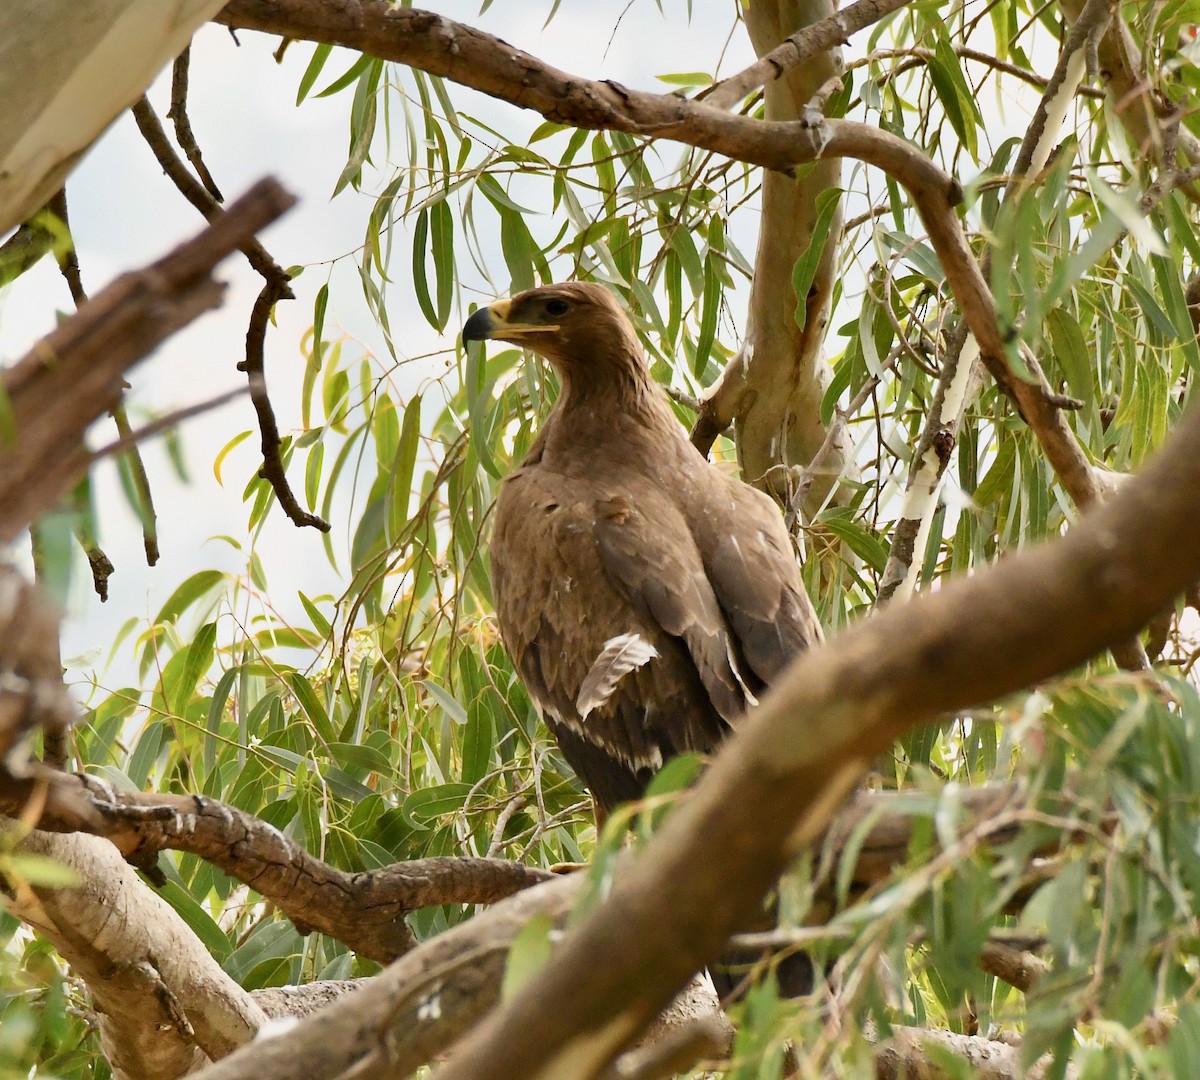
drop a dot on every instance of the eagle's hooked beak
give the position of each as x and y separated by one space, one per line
492 322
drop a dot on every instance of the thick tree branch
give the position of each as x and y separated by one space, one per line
435 992
163 1002
364 910
775 785
411 1011
913 1053
74 374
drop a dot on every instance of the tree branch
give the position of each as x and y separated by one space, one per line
74 374
411 1011
178 115
777 782
364 910
272 470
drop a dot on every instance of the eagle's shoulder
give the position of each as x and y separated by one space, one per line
749 560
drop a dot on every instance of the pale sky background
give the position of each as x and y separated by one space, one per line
124 213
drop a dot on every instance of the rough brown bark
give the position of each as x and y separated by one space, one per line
774 787
364 910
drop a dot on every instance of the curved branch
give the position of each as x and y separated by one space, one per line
777 782
364 910
272 470
483 62
411 1011
178 115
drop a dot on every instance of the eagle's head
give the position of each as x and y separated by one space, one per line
577 325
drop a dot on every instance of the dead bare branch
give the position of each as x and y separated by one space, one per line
275 288
178 115
272 467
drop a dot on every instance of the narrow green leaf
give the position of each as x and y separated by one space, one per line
198 659
442 234
805 269
446 700
1070 350
864 544
319 56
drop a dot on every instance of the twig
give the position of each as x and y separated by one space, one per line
272 469
502 819
177 113
141 484
68 261
100 564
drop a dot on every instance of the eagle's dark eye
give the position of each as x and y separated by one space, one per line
557 308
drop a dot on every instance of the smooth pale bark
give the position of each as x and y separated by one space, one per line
68 69
163 1002
772 390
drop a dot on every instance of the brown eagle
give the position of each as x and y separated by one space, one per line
645 596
